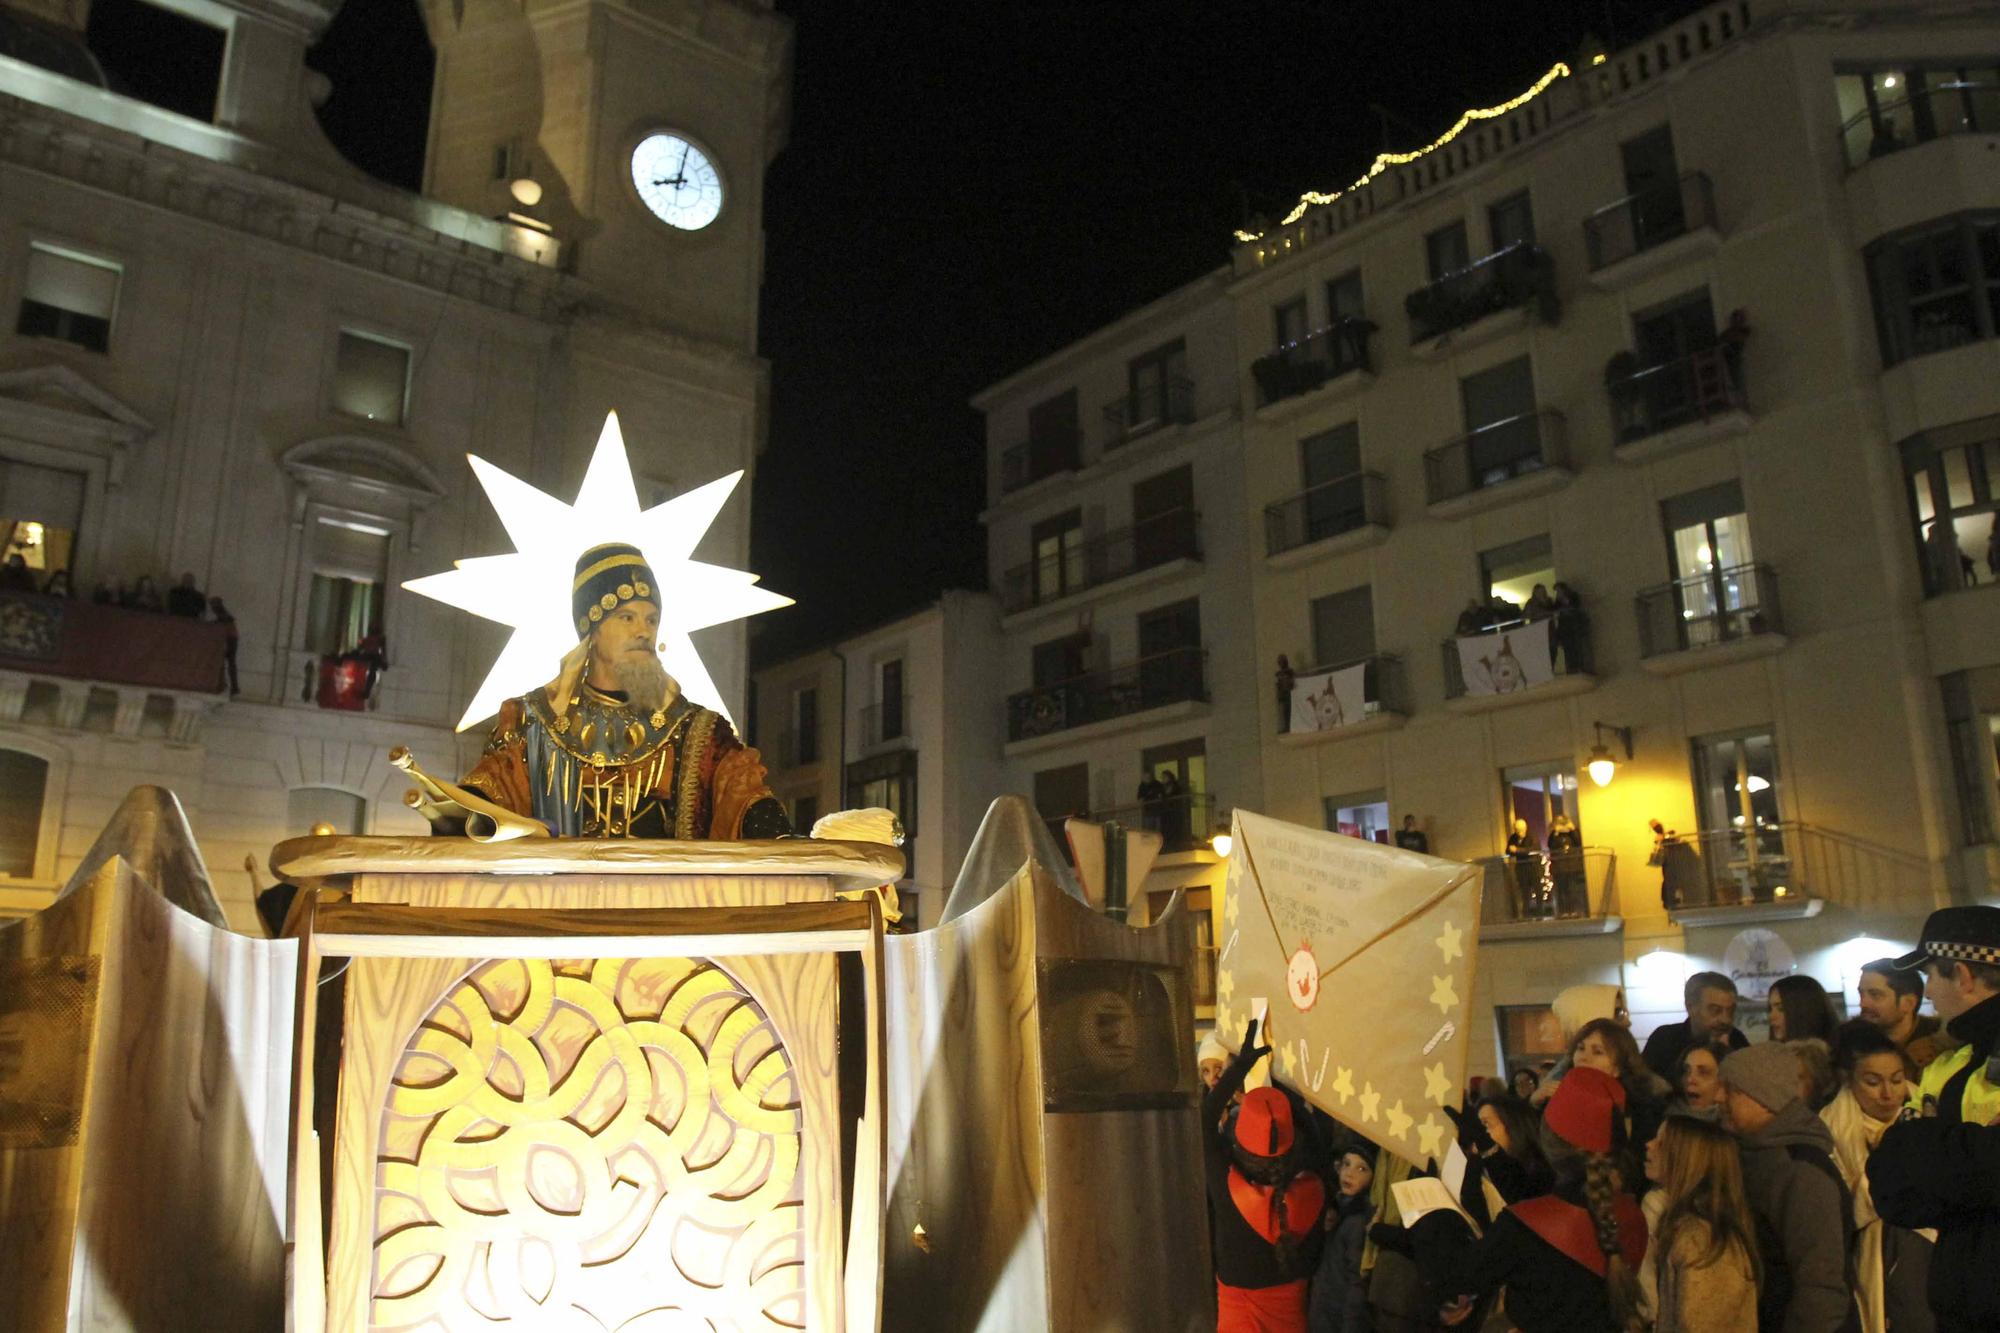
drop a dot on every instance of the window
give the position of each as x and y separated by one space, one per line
1330 469
1054 440
41 509
1954 486
1504 434
1343 626
1530 1038
1511 221
1291 321
805 725
1363 815
1885 110
892 700
371 378
1974 738
1058 555
1674 329
1936 287
805 813
70 296
1343 298
24 780
308 809
1708 545
888 783
1163 523
1059 660
158 56
1062 793
1446 251
1538 794
1512 572
1736 800
1154 387
1182 815
1170 654
350 572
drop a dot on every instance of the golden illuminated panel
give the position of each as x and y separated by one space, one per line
588 1144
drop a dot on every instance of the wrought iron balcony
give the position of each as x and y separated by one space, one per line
1715 606
1328 510
1382 691
1174 535
1184 821
1968 107
1516 275
1701 385
885 722
1494 453
1780 864
1322 355
1044 456
1143 411
1541 886
1638 222
1570 654
1175 676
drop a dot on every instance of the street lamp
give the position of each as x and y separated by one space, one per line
1221 844
1602 765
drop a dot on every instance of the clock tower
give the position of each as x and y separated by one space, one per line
637 131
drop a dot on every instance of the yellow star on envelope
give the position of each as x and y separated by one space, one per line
1343 1083
1430 1136
1442 995
1436 1086
1399 1123
1370 1099
1447 943
1286 1060
1224 1024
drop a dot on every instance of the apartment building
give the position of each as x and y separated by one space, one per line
1699 338
226 351
897 717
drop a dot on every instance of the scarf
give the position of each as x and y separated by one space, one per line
1855 1134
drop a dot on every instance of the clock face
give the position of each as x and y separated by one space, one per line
676 181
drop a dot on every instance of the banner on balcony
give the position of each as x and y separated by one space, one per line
1504 661
1319 930
1330 699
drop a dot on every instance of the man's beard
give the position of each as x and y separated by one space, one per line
643 680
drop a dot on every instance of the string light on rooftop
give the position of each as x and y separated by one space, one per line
1313 199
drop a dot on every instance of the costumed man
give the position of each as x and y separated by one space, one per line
611 748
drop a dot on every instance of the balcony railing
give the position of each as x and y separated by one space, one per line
1302 366
1775 864
1715 606
1579 885
1060 451
1330 509
1638 222
1184 822
885 722
1174 535
1382 691
1495 453
1696 387
1146 410
1971 107
789 749
1175 676
78 666
1570 654
1515 275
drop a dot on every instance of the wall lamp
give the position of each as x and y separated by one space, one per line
1603 765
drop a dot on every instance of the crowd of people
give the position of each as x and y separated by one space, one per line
1838 1176
1569 632
184 598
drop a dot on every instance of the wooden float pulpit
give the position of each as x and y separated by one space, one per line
591 1084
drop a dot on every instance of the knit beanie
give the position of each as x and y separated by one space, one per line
1768 1073
1583 1107
1264 1125
1211 1049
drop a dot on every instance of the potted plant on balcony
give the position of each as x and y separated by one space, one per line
1627 399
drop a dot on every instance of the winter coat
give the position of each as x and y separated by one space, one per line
1340 1293
1669 1042
1244 1258
1547 1291
1928 1040
1715 1297
1805 1225
1891 1263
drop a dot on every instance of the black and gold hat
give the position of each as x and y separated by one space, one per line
606 576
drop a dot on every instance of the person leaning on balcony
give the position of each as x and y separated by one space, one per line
184 599
1939 1167
1286 679
59 585
1889 999
1566 861
1572 629
16 576
1710 998
1524 868
220 615
1734 334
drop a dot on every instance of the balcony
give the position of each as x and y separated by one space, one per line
1504 671
1177 676
1497 463
790 749
1651 230
1381 703
1145 411
885 723
1038 459
1344 514
1323 357
1663 409
78 666
1150 544
1543 895
1497 294
1971 107
1720 615
1786 871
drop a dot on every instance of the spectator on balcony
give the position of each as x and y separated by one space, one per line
1286 679
1889 999
1540 605
184 599
1524 870
1572 630
1993 548
16 576
1951 567
143 595
1411 838
1734 334
1566 861
1680 866
59 585
1473 619
220 615
107 593
1175 818
1710 999
1150 794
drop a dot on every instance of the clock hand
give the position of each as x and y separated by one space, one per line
675 181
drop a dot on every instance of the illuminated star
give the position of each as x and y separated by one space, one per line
530 588
1430 1136
1447 943
1442 995
1399 1124
1370 1099
1286 1060
1343 1083
1436 1086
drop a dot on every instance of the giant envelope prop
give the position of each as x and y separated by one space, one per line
1363 955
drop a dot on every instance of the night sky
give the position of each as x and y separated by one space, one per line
970 187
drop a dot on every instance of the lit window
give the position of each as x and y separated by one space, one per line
69 296
24 783
350 562
371 378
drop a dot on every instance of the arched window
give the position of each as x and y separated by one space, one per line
24 784
310 807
